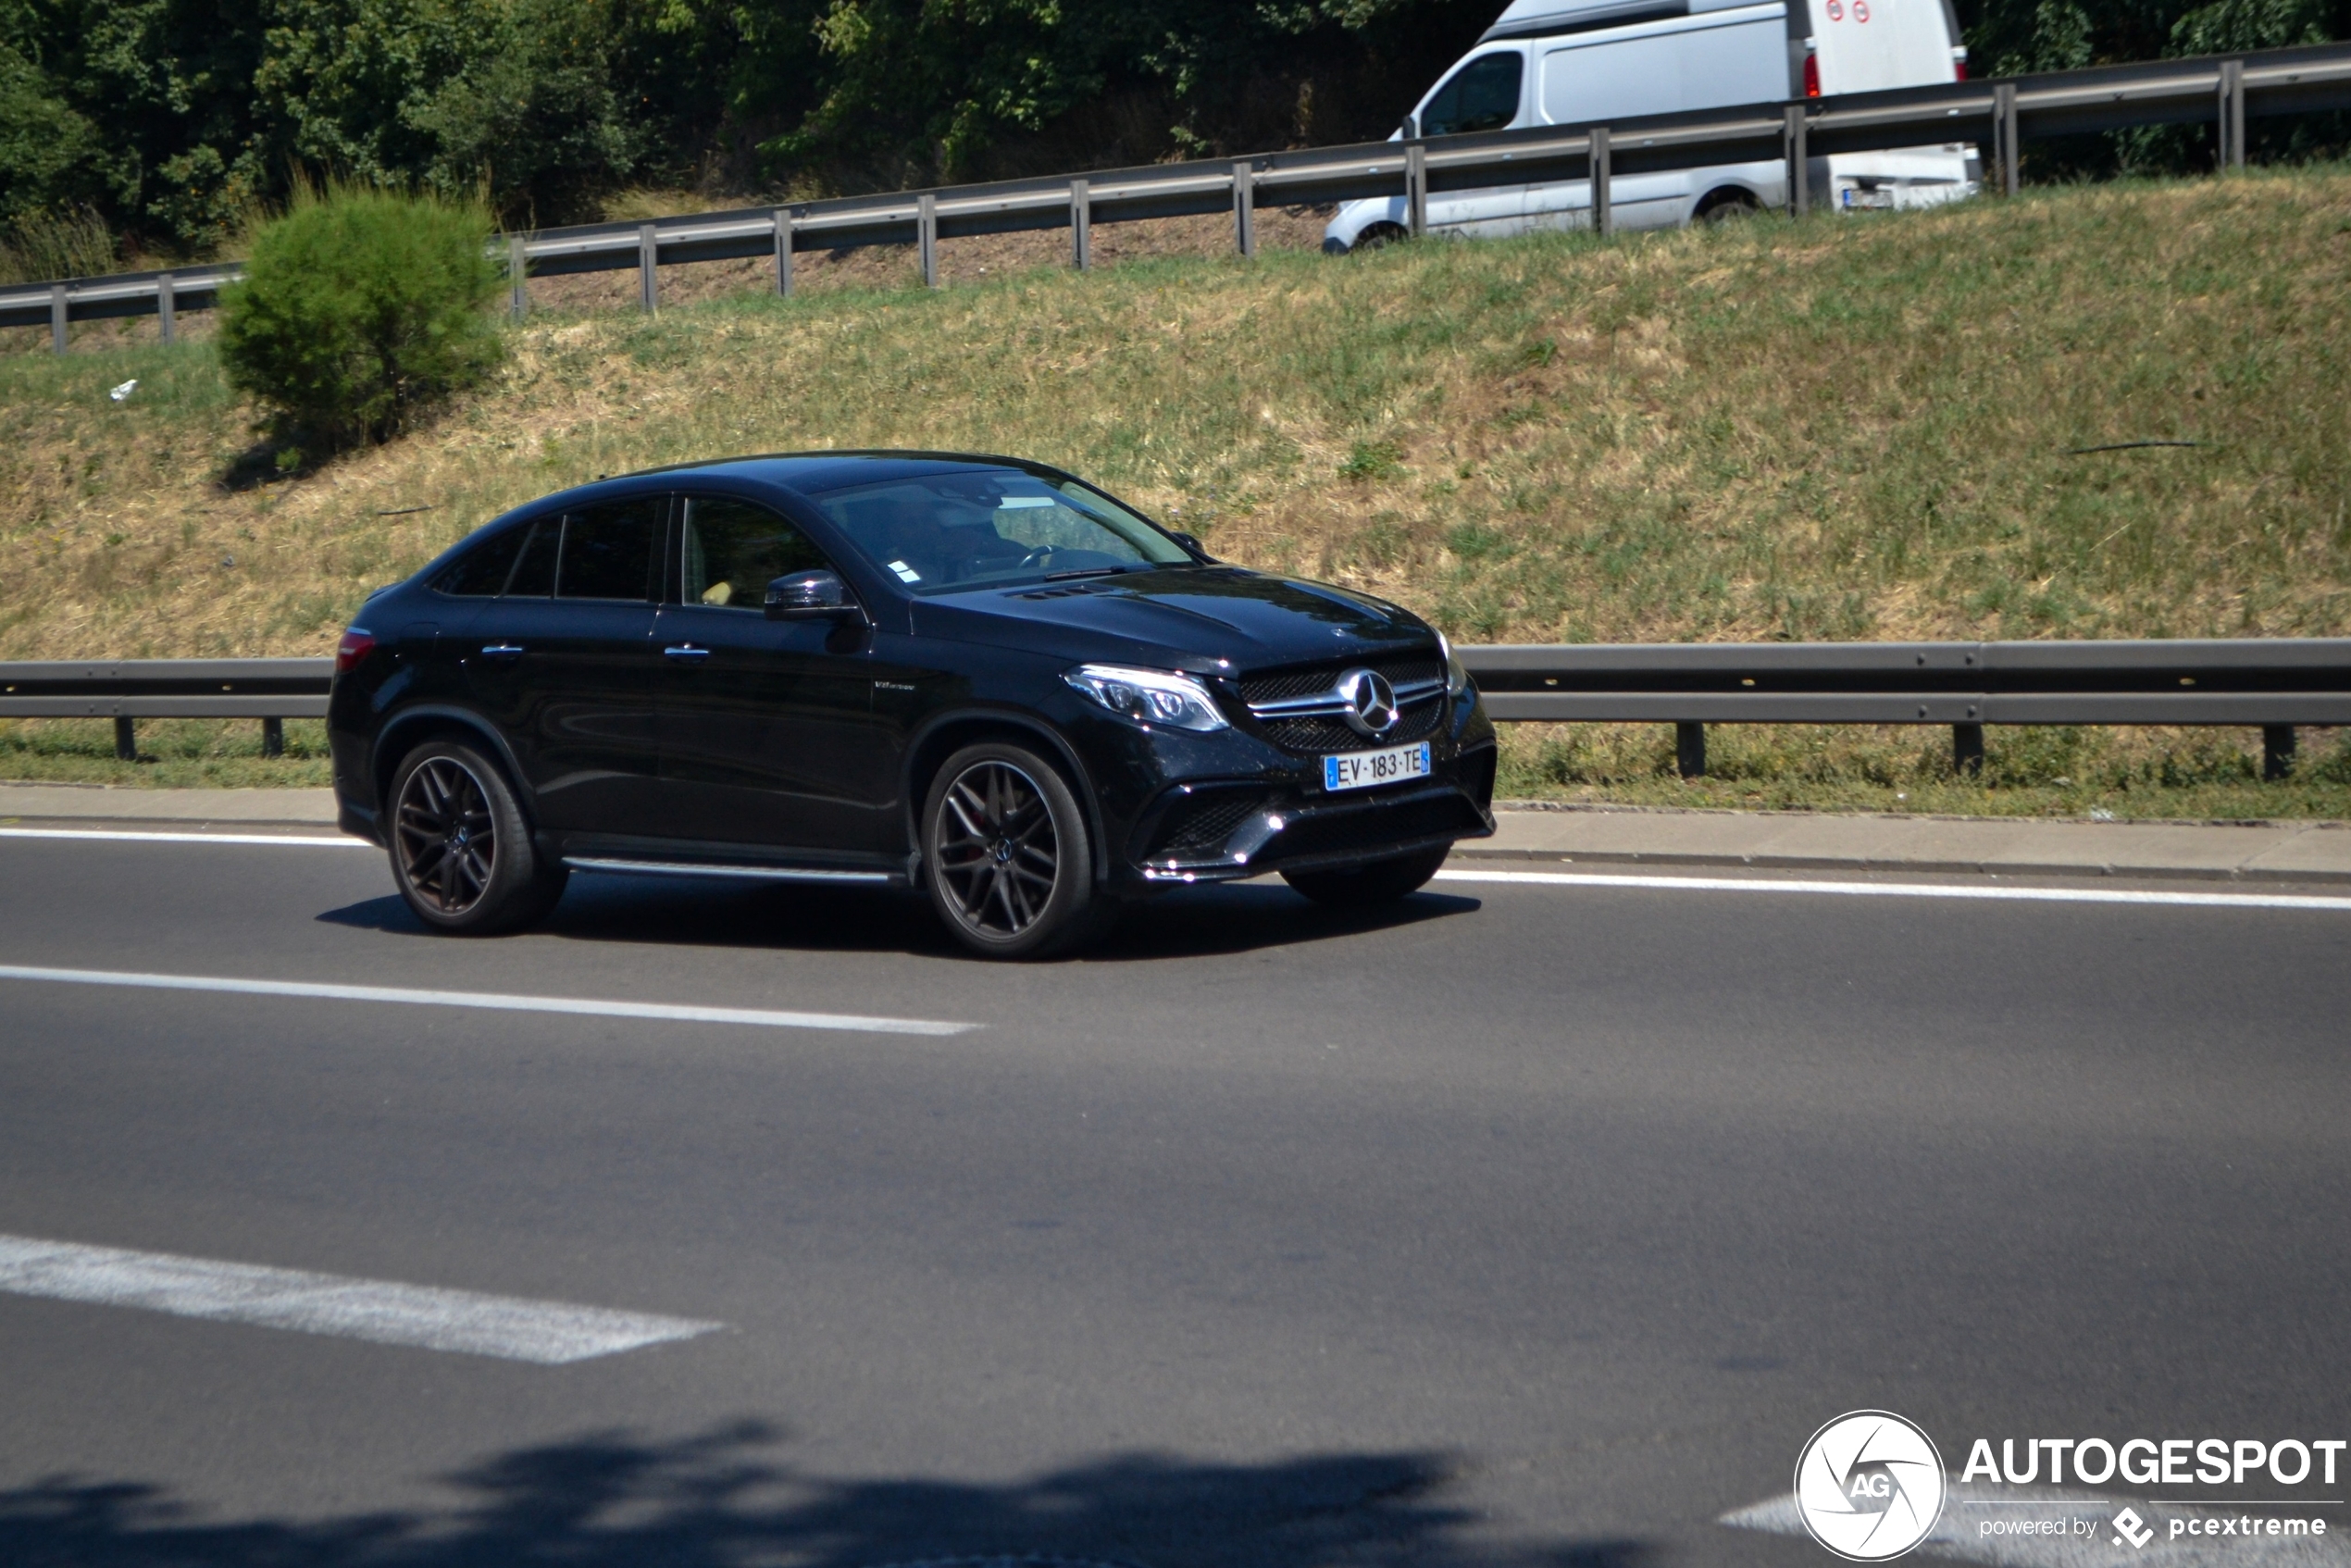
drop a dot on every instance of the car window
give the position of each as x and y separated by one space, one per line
483 570
1483 95
947 531
535 569
608 551
732 550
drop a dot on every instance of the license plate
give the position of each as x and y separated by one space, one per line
1361 771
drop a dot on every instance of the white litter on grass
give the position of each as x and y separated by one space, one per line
124 392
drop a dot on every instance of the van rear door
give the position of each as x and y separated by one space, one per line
1868 46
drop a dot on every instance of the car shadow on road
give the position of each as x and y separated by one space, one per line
722 1500
1184 923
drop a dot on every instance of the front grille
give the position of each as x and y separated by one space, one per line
1310 735
1337 832
1280 685
1306 734
1200 826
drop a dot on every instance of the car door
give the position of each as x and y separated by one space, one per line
1484 95
564 663
767 731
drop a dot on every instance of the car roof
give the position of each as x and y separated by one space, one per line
816 473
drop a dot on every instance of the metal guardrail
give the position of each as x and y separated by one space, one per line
2274 683
2226 90
128 689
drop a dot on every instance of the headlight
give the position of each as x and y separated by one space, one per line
1149 696
1457 676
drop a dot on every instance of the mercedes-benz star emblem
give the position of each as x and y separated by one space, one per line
1369 699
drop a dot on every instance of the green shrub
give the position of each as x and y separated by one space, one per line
360 309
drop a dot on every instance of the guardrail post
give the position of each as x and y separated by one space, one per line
1603 211
1799 180
1081 225
57 318
166 303
1689 750
1245 209
1415 190
125 739
517 278
781 219
1967 750
926 236
2277 750
273 736
2004 136
2231 116
648 279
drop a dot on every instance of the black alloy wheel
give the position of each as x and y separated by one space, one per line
1377 881
461 853
1009 859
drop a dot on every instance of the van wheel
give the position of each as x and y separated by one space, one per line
1379 881
1722 207
1381 235
461 852
1006 855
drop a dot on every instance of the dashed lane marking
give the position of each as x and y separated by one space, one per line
383 1311
492 1001
1907 891
296 841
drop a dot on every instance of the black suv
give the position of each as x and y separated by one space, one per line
980 675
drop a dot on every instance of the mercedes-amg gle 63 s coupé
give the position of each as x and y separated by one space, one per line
978 676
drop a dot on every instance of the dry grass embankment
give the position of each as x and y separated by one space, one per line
1841 428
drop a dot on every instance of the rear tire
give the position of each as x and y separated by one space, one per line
461 852
1725 207
1378 881
1007 856
1379 236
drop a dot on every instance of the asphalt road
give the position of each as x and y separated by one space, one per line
1529 1224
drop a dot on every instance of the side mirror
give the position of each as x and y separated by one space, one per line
812 596
1192 542
1410 129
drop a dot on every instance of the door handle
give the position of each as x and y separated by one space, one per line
685 652
502 651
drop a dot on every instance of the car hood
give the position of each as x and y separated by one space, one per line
1207 620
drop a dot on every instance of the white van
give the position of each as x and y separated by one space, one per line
1596 62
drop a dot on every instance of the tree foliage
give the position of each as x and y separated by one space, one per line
360 307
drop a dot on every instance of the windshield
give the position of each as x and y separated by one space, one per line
941 532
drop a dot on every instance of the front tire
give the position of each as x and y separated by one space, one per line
1007 856
461 852
1378 881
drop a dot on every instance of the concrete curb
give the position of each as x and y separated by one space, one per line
1542 833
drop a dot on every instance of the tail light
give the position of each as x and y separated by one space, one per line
356 644
1959 64
1812 76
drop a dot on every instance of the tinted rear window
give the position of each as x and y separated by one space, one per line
483 570
609 551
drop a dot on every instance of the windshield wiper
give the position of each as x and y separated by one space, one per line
1083 571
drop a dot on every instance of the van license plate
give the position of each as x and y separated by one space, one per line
1361 771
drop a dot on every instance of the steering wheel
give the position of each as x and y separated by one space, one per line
1036 557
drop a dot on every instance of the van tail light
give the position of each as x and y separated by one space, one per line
356 644
1812 76
1959 64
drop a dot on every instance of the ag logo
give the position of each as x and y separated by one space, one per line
1869 1485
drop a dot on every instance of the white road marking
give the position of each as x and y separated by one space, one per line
511 1328
1908 890
309 841
1961 1533
493 1001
